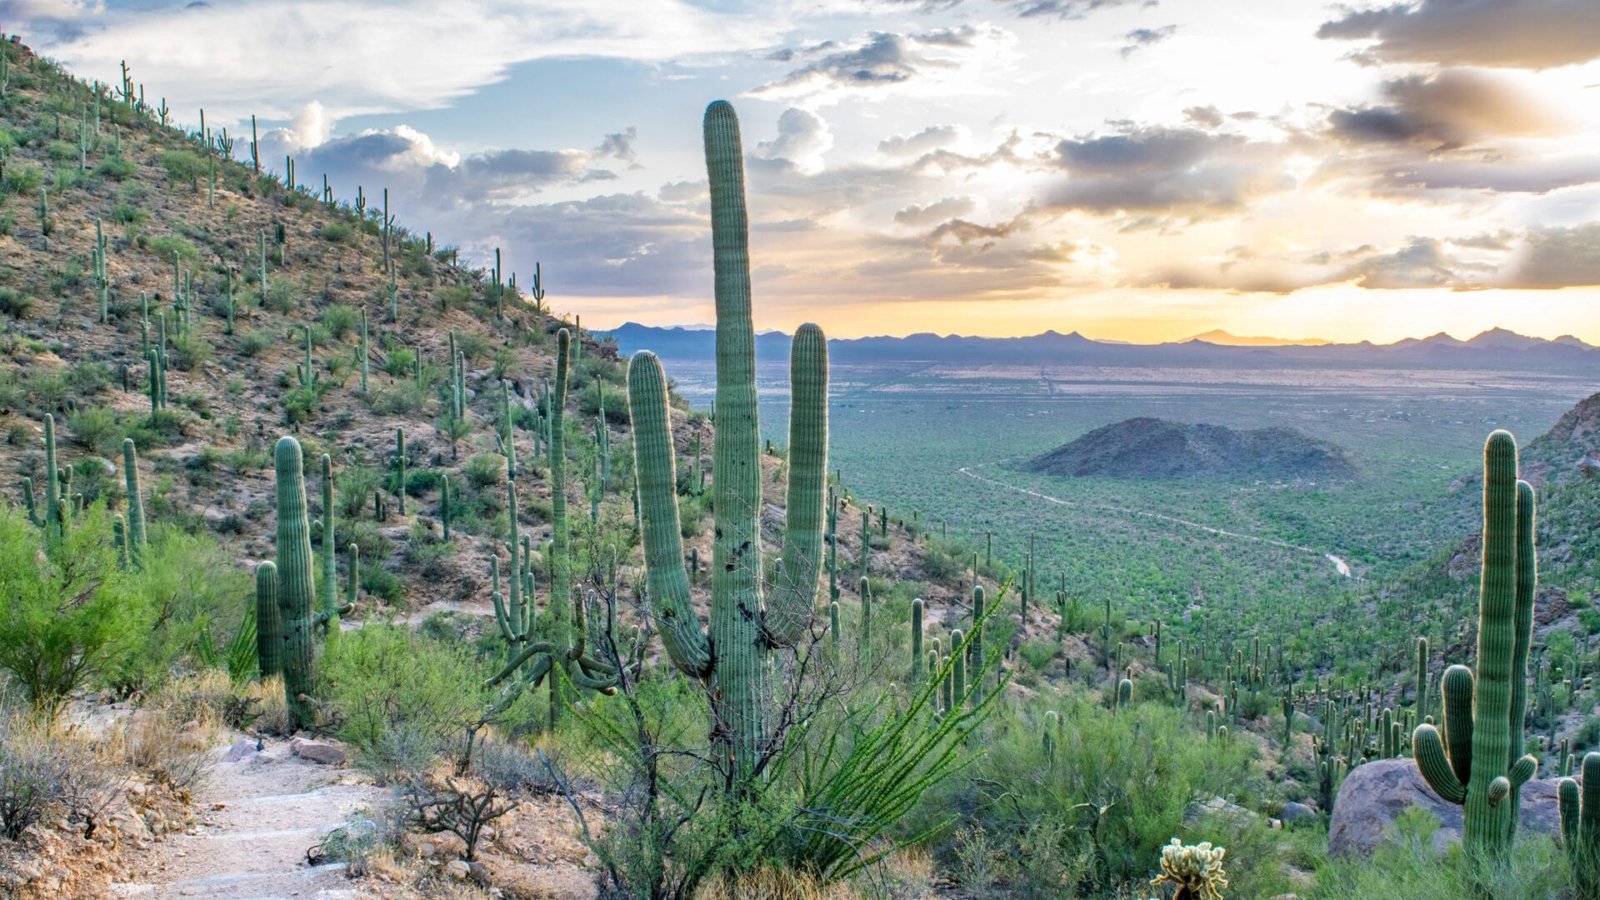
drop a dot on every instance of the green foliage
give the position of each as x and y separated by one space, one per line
1117 789
181 165
336 233
340 320
68 616
166 245
386 680
198 596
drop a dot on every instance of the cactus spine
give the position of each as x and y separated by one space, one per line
1483 715
295 586
744 625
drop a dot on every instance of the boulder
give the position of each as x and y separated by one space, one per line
1297 812
317 752
1374 794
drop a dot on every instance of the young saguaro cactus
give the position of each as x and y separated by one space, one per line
1483 767
749 617
294 581
269 624
1580 824
135 534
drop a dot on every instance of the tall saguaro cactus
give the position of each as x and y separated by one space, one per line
294 580
1483 768
748 616
135 534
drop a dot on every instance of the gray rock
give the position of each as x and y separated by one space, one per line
317 752
1374 794
1297 812
242 748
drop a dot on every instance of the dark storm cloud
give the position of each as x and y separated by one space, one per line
1145 37
1527 34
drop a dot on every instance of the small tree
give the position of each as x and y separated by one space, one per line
67 614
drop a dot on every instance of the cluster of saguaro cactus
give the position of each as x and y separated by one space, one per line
1580 824
748 618
1483 767
555 647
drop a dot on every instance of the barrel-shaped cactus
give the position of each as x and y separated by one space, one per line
1483 768
295 586
748 616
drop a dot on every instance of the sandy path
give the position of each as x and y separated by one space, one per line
259 816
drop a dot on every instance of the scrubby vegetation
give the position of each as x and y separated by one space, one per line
328 483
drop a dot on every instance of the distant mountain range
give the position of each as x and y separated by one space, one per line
1493 349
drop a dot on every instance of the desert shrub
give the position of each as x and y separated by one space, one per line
340 320
115 168
336 233
282 296
21 178
197 596
96 429
188 351
32 779
390 685
183 165
400 362
68 616
16 304
1115 791
166 245
256 342
169 738
615 400
485 470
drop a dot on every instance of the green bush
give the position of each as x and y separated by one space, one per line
485 470
21 178
386 681
336 233
340 320
183 165
96 429
68 616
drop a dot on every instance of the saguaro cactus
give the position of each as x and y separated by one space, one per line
1483 768
748 616
294 580
269 624
135 534
1580 825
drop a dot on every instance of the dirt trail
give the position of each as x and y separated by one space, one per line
259 813
1339 565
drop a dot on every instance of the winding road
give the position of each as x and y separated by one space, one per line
1338 563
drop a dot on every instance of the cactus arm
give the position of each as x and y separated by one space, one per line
1589 821
792 601
654 468
1527 575
1499 789
1523 770
529 652
28 503
1567 798
1456 688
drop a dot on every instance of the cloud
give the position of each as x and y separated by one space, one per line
1167 171
918 215
931 138
1559 257
803 138
1495 172
1058 9
1422 263
1524 34
620 146
1145 37
887 60
1448 108
1203 116
267 56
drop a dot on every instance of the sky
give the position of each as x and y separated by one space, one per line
1129 169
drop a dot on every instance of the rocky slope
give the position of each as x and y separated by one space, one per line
1147 448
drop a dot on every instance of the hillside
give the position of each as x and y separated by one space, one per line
1147 448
